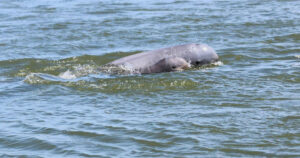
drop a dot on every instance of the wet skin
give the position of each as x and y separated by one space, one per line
168 59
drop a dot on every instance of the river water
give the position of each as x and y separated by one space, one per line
54 102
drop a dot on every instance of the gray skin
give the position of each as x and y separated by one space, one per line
166 65
168 59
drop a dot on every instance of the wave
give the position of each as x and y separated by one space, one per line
88 72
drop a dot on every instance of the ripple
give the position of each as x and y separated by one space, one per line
113 84
27 143
55 102
235 152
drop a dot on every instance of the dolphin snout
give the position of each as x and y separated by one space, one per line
185 66
215 57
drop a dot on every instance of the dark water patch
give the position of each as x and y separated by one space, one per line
232 58
295 37
108 11
235 152
24 17
44 9
170 3
144 142
290 118
19 155
27 143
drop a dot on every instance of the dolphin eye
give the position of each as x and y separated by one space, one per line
201 62
173 67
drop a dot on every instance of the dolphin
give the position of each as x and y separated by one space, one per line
168 59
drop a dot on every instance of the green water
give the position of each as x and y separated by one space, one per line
55 102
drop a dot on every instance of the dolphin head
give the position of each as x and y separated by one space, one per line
201 54
170 64
176 64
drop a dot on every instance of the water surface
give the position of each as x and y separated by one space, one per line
54 102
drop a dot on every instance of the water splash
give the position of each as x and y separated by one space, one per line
67 75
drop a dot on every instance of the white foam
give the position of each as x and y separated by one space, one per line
218 63
67 75
33 78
